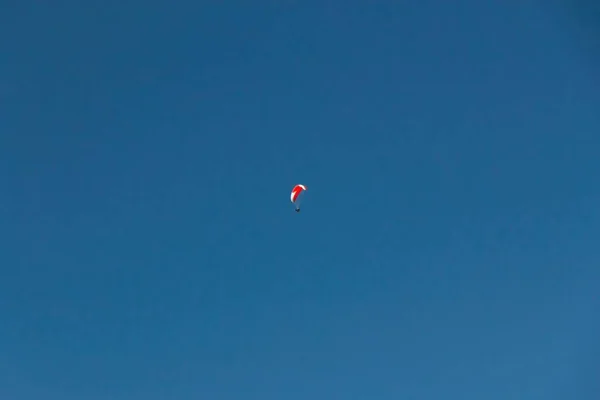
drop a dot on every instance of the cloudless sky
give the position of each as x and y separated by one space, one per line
448 245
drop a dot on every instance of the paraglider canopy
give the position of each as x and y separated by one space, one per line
296 195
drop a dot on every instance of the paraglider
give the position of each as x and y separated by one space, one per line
296 196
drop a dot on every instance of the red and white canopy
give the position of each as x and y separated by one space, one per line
296 191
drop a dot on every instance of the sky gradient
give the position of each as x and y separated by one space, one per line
448 243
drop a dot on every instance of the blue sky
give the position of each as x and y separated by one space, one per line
447 246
